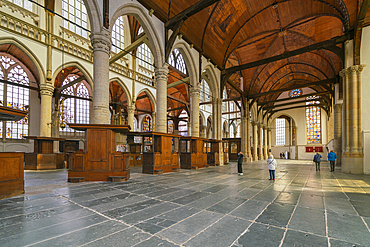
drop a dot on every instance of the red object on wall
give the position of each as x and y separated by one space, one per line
318 149
309 149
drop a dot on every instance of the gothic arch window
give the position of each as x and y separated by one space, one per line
232 135
177 61
14 96
237 132
280 131
75 11
205 96
146 124
313 120
77 110
144 54
183 125
118 35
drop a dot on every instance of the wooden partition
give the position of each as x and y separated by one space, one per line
193 153
134 153
225 146
43 156
158 152
99 161
11 174
234 147
213 152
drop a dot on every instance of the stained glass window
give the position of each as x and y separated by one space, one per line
295 93
23 3
118 35
170 126
146 124
280 131
77 110
177 61
75 11
313 120
15 97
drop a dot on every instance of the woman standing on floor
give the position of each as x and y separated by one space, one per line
272 164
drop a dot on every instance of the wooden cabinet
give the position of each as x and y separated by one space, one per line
213 148
100 160
11 174
193 153
234 147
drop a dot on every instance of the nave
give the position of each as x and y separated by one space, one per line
205 207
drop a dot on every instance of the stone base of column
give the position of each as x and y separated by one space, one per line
352 163
221 157
260 157
255 157
266 156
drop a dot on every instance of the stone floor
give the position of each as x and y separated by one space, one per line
207 207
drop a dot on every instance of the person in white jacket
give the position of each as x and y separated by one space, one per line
272 164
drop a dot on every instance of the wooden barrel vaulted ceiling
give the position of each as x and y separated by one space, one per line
239 32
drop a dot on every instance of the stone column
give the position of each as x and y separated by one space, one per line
265 148
161 75
255 156
352 156
260 140
338 132
101 42
154 123
269 140
204 131
244 138
131 116
46 91
194 105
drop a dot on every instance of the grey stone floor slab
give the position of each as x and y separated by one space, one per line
155 241
261 235
309 220
227 205
191 198
250 209
300 239
179 213
276 214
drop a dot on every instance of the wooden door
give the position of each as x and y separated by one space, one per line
98 147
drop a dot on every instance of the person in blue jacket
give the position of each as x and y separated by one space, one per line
317 160
331 157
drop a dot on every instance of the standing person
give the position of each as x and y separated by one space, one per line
331 157
317 160
272 164
240 163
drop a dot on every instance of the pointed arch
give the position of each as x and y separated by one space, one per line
124 88
94 13
151 97
212 81
189 62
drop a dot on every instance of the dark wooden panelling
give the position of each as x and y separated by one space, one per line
11 174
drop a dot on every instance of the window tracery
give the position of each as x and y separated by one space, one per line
144 54
280 131
75 11
176 60
205 96
118 35
313 120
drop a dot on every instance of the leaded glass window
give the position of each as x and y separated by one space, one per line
183 125
76 110
280 131
177 61
75 11
23 3
205 96
224 104
231 131
295 93
144 54
14 96
118 35
170 126
313 120
237 131
146 124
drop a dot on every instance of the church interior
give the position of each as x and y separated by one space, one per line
152 123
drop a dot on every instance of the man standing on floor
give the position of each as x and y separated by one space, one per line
317 160
240 163
331 157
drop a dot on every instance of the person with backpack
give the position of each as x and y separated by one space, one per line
331 157
272 164
317 160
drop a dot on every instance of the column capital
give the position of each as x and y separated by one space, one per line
194 92
254 123
351 69
101 41
46 89
131 109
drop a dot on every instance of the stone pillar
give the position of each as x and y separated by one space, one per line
352 156
194 105
154 123
161 75
265 148
46 91
260 140
255 156
204 131
269 140
244 138
101 42
338 132
131 116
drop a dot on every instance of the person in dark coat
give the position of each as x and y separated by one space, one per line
317 160
240 163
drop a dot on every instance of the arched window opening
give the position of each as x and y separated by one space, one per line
23 3
205 96
75 11
224 104
118 35
76 107
280 131
183 124
238 132
135 124
170 126
232 131
14 96
146 125
144 54
313 120
177 61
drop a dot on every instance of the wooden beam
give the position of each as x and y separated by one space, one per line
223 100
175 109
295 107
19 85
74 97
317 46
292 103
235 87
231 112
297 97
172 39
310 84
179 82
192 10
77 80
139 40
177 99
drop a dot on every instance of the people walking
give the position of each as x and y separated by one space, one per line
272 164
331 157
317 160
240 163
